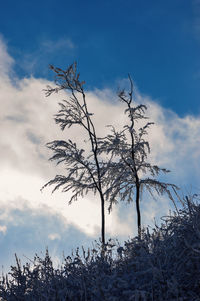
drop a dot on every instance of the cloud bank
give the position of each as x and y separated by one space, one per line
29 219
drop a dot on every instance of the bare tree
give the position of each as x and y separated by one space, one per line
129 151
125 172
84 172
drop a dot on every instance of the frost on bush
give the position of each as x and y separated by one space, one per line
162 265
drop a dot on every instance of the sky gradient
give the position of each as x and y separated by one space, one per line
158 43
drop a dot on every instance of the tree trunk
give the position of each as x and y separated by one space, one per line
102 220
138 209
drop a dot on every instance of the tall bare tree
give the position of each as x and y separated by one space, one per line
126 178
125 172
84 172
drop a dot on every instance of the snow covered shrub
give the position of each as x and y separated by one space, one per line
162 265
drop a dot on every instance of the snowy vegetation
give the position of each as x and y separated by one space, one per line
164 264
116 167
159 264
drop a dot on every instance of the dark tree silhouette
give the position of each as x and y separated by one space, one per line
120 175
84 172
129 151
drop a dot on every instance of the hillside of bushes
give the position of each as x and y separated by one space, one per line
163 265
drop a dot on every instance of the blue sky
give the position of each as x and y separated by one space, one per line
157 42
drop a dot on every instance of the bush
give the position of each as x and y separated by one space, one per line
162 265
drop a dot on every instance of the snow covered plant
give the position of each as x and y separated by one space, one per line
115 166
129 149
162 265
85 171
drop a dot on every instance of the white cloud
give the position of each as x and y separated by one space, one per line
54 236
51 46
45 53
6 60
3 229
26 124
